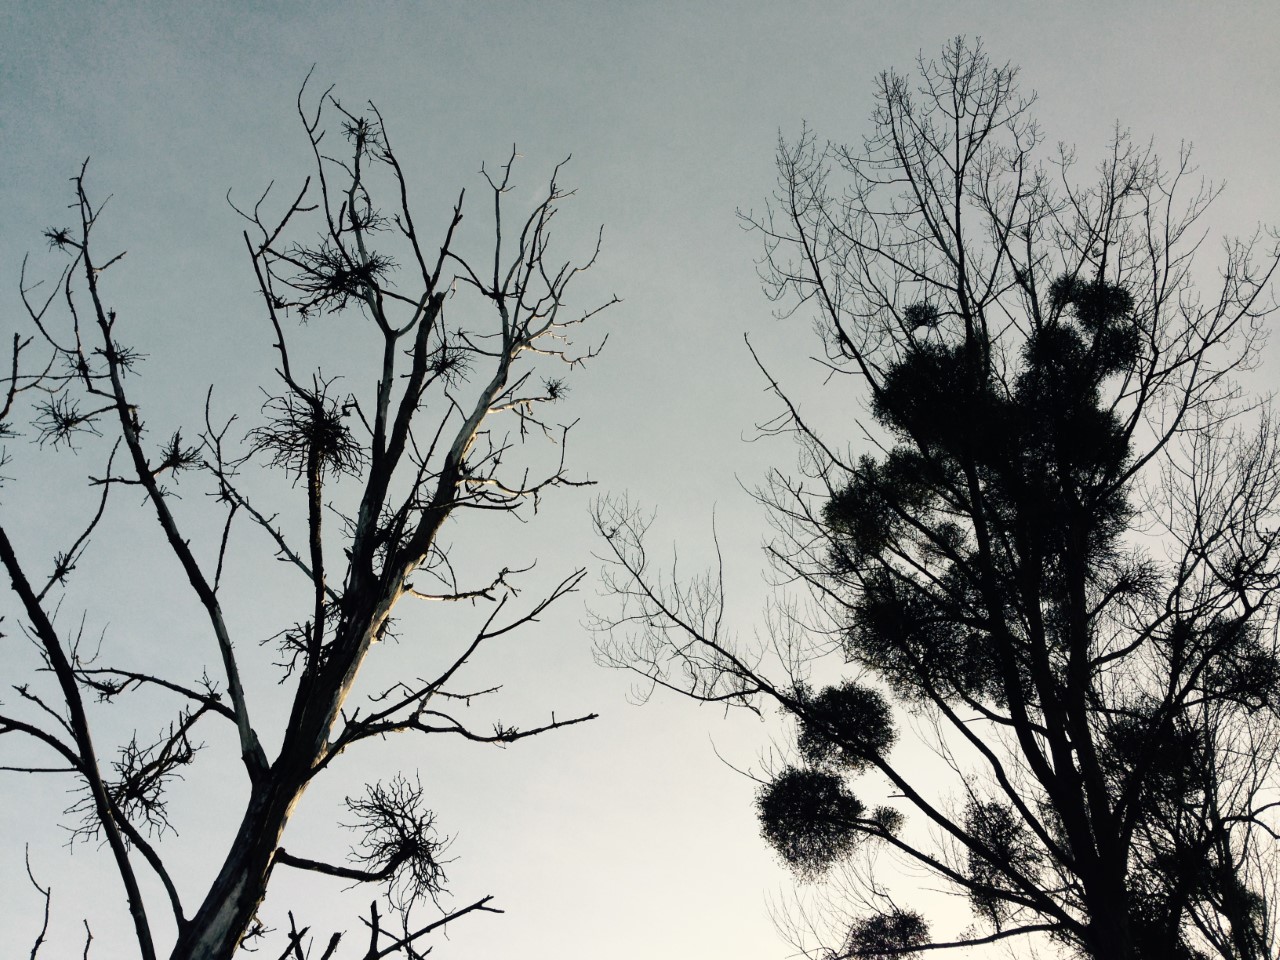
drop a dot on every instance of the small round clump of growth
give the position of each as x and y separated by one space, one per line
846 726
809 818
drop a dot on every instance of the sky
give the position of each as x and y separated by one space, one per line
632 836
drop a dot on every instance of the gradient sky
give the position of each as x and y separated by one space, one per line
626 838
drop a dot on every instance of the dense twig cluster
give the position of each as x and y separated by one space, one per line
400 841
301 428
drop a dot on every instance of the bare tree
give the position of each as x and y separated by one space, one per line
1061 558
375 473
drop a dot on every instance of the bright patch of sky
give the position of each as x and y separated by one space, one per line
627 837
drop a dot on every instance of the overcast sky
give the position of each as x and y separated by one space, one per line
625 838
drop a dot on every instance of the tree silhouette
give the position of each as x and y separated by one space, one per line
439 434
1061 557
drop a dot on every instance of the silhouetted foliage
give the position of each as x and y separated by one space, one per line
809 818
887 935
1004 857
1063 557
846 726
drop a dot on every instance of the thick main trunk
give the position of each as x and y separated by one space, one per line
1111 938
216 929
1110 933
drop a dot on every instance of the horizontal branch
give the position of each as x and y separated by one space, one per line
883 951
501 734
283 856
210 700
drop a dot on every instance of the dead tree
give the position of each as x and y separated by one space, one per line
1059 550
446 427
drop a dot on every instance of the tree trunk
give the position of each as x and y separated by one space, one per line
1110 935
215 931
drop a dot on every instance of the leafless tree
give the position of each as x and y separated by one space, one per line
1060 558
472 349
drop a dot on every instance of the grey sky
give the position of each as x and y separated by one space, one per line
626 838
